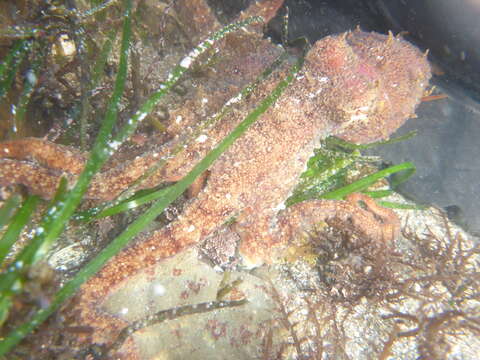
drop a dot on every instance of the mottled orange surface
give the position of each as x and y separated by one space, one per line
359 86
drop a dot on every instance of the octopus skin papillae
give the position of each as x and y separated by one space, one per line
358 86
